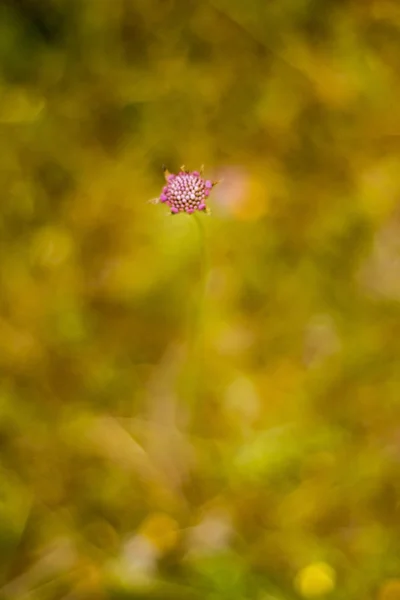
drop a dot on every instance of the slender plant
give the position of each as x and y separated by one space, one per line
188 192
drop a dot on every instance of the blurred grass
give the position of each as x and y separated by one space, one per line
281 479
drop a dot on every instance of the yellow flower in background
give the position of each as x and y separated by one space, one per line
390 590
160 530
315 580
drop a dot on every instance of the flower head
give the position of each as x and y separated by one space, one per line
186 192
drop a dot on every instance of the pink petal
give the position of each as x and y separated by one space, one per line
201 206
174 210
208 184
206 192
163 198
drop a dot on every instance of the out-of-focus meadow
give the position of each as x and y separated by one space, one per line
158 442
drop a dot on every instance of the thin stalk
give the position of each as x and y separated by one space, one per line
204 269
196 333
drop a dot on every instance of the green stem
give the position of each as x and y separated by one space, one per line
196 348
204 269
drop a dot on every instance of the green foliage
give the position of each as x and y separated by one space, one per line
175 426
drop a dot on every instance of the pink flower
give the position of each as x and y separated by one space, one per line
186 192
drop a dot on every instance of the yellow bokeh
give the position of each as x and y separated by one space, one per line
317 579
161 530
156 367
390 590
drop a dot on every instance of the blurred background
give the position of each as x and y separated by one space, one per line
158 442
